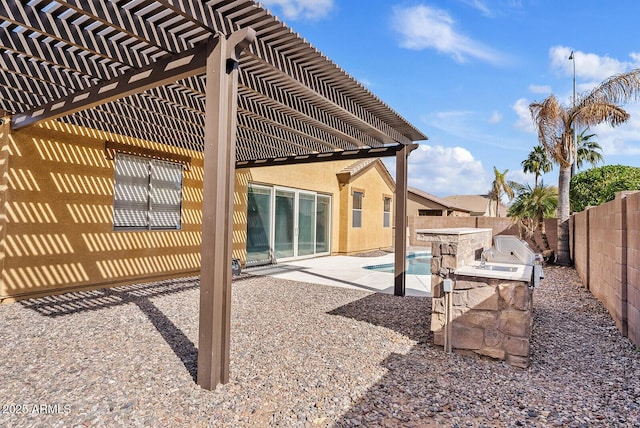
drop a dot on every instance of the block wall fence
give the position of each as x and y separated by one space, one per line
606 252
499 226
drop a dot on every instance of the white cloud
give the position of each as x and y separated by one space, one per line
307 9
519 176
524 122
623 140
479 5
446 171
589 66
496 117
540 89
423 27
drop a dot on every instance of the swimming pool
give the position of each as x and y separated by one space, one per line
417 264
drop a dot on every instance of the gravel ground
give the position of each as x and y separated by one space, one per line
305 355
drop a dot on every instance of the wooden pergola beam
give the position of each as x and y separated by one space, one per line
163 72
400 244
217 206
376 152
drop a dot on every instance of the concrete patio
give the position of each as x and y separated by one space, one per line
347 272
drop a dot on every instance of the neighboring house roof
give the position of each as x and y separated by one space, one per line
348 173
476 204
440 201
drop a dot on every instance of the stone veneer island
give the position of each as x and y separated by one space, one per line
492 308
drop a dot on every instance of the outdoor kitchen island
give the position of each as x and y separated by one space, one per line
482 296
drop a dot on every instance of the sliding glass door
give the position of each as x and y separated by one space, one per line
306 224
323 224
259 225
285 224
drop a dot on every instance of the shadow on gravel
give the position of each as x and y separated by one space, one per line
409 316
140 295
408 376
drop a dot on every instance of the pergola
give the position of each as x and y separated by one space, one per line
223 77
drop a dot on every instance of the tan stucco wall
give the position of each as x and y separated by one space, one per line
58 206
321 178
416 203
372 235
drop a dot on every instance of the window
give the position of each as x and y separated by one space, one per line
429 213
386 216
357 209
147 193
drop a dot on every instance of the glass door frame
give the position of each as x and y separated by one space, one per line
296 214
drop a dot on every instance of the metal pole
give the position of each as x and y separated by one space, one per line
574 151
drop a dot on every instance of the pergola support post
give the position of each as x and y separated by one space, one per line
217 206
400 244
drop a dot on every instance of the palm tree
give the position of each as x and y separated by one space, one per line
537 163
531 206
587 150
500 185
555 123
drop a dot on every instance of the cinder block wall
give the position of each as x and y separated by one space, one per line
633 267
580 253
605 247
499 226
607 258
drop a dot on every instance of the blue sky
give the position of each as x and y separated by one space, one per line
465 71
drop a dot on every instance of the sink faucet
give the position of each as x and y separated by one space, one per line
485 257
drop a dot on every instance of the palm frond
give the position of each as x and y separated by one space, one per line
550 117
593 114
617 89
588 150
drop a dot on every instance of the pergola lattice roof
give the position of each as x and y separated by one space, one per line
60 59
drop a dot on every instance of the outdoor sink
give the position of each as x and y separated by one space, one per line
498 268
506 271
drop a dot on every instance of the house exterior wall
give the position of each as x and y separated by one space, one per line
416 203
57 216
56 213
321 178
372 235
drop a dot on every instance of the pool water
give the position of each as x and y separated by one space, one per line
417 264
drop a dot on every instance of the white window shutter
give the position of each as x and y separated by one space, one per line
165 195
131 192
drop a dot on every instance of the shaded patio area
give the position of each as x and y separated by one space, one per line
306 355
